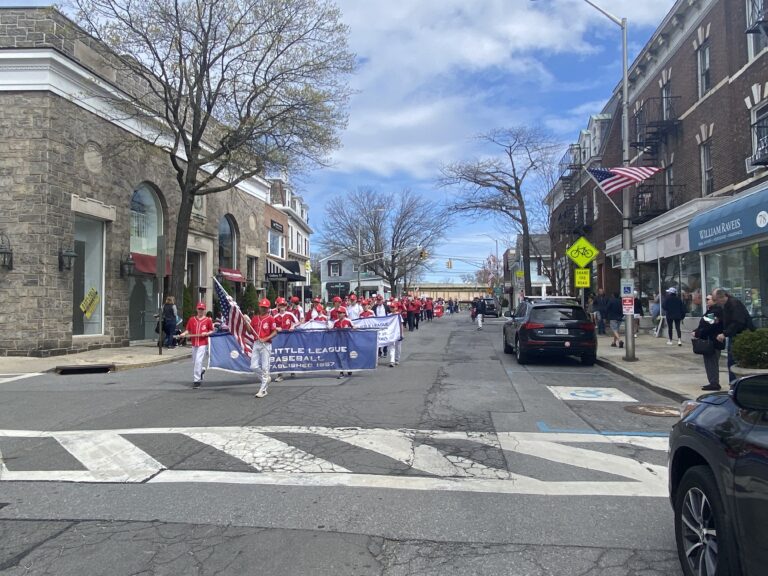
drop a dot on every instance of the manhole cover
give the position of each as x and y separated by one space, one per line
654 410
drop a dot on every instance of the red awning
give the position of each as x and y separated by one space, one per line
232 274
147 264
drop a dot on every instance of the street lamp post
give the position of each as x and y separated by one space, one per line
626 212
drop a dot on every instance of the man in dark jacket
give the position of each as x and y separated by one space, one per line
615 315
600 307
736 319
675 312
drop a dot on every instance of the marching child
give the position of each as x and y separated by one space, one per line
264 328
341 323
285 320
198 329
367 312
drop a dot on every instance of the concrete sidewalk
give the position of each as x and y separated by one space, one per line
674 371
137 356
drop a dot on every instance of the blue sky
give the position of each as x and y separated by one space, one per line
435 73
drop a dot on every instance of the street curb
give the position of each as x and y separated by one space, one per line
125 367
640 380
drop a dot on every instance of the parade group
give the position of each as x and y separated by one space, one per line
261 327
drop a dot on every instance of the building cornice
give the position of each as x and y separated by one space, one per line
47 70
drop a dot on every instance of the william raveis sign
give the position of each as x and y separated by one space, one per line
725 230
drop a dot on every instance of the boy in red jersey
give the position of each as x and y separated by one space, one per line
341 323
198 329
285 320
264 328
367 312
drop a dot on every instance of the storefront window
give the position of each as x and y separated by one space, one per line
743 273
88 278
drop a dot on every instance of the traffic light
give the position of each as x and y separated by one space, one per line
423 255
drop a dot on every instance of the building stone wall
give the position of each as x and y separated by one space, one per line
56 149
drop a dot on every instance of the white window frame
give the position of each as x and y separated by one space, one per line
759 113
707 168
281 243
334 269
666 101
703 56
756 43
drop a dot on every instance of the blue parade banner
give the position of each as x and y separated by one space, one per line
335 350
302 351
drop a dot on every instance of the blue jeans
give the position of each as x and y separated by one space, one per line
169 327
729 360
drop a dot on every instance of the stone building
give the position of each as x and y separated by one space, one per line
90 201
698 103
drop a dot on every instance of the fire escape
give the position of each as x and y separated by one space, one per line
567 219
654 122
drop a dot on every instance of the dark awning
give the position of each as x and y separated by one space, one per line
281 271
232 274
147 264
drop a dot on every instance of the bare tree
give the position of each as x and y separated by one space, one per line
502 186
234 88
389 234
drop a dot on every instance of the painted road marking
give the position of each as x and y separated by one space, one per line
5 378
109 456
590 394
542 426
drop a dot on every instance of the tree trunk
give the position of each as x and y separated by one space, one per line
526 253
178 264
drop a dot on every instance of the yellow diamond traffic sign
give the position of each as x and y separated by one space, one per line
582 252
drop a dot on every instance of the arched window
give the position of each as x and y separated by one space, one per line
227 243
146 221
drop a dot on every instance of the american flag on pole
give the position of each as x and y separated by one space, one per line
235 319
612 180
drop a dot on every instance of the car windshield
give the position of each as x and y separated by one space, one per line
558 314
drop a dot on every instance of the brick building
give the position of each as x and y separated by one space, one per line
699 109
90 200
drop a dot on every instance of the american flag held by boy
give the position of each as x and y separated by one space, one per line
235 319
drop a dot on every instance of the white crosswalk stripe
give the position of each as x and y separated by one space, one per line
6 378
110 456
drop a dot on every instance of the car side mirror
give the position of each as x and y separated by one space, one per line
751 392
509 314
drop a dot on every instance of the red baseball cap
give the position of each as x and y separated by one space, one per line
200 306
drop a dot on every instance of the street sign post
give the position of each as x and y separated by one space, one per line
582 252
628 307
627 287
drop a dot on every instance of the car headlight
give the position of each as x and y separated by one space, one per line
687 407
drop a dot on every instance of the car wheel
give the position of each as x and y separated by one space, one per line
520 356
588 359
507 348
701 530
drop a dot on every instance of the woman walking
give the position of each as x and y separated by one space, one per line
169 321
675 311
710 325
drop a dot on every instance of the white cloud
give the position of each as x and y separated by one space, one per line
436 72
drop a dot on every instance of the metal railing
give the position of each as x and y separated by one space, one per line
652 200
760 142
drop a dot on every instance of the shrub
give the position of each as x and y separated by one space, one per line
250 299
750 349
188 307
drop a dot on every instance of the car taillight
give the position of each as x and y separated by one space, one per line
532 325
587 326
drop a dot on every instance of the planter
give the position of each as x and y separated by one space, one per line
739 371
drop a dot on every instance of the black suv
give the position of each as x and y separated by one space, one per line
550 327
491 307
718 481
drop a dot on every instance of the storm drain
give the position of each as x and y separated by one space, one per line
654 410
85 369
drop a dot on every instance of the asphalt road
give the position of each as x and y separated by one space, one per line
458 461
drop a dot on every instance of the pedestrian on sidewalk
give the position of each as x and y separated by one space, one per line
710 327
198 329
736 319
614 314
264 328
600 308
675 312
639 313
169 321
478 305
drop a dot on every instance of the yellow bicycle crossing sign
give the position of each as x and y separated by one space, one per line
582 252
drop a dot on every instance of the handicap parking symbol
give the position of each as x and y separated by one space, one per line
587 393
